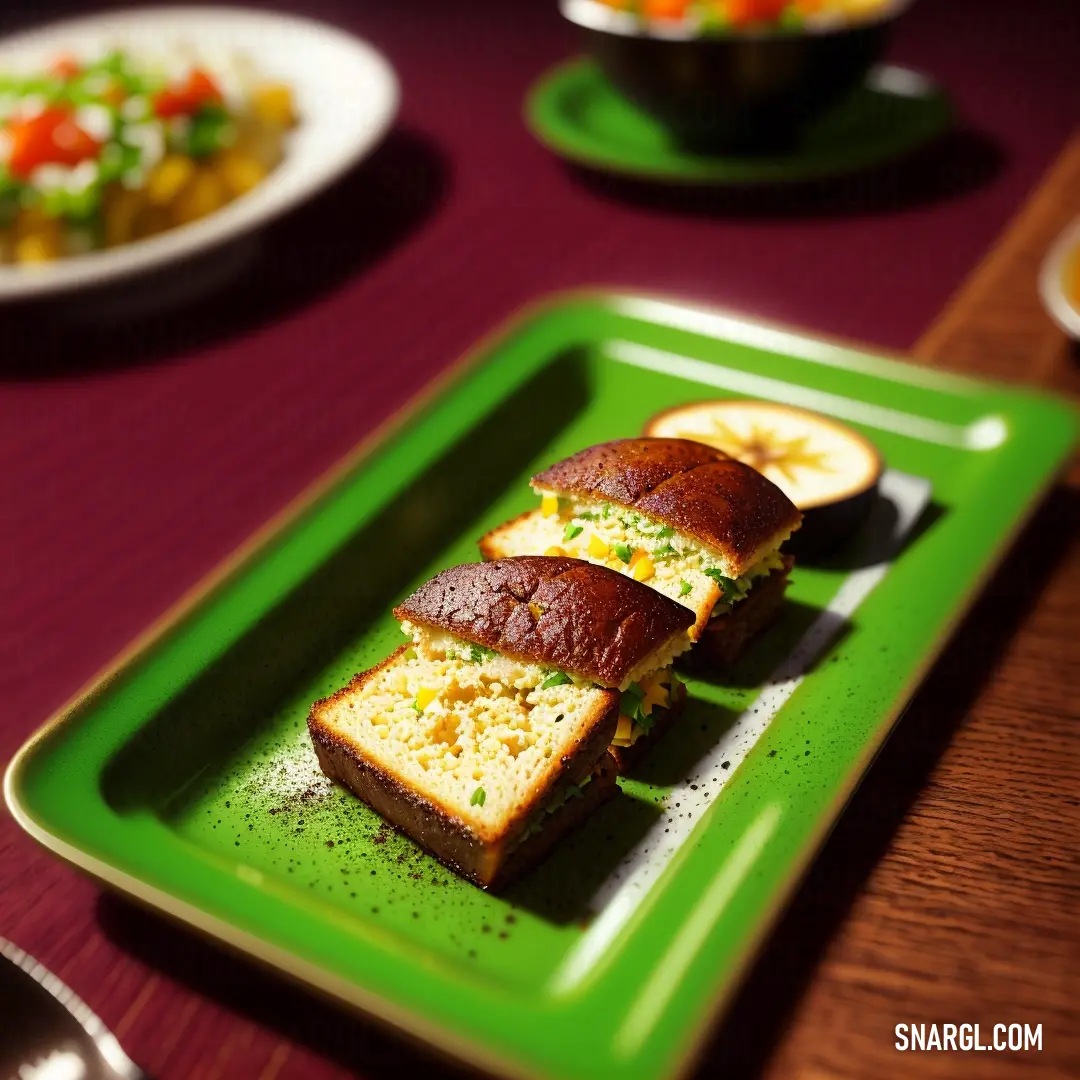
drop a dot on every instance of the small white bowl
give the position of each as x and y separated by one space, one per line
1062 310
346 96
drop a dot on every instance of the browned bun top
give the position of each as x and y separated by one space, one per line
580 618
692 487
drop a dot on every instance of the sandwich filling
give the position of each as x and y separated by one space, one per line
639 704
648 686
668 560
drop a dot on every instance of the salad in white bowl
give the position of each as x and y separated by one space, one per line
131 139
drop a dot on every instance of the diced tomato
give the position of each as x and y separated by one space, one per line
187 98
665 9
50 138
742 12
65 67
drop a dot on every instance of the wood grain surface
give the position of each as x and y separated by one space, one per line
950 890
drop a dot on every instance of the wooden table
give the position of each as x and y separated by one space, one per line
133 459
950 890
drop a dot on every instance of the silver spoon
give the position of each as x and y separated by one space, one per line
47 1032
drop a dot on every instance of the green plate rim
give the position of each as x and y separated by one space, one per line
543 119
577 303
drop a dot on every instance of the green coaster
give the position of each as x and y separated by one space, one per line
576 112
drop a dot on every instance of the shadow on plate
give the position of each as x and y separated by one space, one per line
561 887
197 733
959 162
755 1023
862 552
236 288
775 644
699 728
756 1020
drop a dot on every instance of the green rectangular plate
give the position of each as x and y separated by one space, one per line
184 777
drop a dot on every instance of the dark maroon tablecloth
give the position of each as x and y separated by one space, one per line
135 454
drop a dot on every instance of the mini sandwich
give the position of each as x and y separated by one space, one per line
683 517
487 738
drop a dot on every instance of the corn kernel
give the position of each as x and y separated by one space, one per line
535 609
168 178
656 694
636 556
555 550
37 239
424 697
203 195
35 248
549 505
642 569
240 172
597 548
273 104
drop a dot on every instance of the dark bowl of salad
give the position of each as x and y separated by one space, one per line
735 75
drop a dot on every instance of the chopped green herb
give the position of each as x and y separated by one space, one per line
729 585
605 510
685 588
410 654
665 551
479 797
571 531
624 551
587 515
665 532
415 705
630 703
210 130
477 653
556 678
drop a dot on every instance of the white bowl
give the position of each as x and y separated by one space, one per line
346 96
1052 280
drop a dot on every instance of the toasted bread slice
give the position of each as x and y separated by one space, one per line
465 755
571 615
536 531
730 509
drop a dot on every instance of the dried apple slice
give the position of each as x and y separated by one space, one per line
829 471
